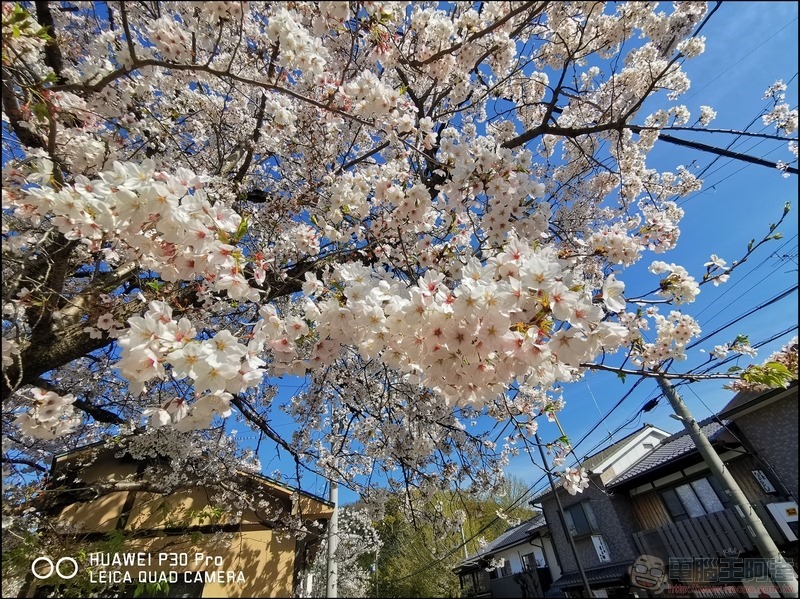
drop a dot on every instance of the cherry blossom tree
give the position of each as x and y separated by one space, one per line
425 211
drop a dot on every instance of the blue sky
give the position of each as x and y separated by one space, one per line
749 46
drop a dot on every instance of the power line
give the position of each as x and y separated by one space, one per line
575 446
747 55
520 498
729 288
724 361
732 322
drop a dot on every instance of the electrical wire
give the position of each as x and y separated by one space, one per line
730 323
523 496
575 446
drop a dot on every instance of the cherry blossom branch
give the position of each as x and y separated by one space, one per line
483 32
655 373
127 30
24 462
152 62
52 52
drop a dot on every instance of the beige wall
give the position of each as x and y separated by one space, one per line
265 558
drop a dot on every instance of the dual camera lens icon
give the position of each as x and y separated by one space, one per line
67 572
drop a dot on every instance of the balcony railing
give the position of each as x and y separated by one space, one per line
713 535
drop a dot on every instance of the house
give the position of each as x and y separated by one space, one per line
768 425
529 564
188 541
681 513
598 522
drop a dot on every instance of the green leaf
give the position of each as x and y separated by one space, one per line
241 231
40 110
153 285
771 374
18 15
42 34
115 538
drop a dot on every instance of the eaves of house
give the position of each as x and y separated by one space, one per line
511 537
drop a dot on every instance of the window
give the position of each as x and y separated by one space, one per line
501 571
473 583
693 499
506 569
529 562
580 519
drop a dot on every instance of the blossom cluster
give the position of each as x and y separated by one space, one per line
217 364
52 415
212 193
575 480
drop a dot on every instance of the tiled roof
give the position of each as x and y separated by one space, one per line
595 576
670 449
509 538
747 398
592 461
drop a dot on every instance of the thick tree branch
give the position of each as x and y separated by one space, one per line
23 462
52 52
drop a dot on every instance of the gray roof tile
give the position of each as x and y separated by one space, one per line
600 574
670 449
745 399
509 538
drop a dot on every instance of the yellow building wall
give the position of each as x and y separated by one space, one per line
181 509
264 558
100 515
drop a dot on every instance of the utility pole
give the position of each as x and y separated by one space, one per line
464 541
587 589
375 573
752 523
333 541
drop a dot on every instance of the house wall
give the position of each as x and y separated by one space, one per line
265 558
521 584
772 432
526 584
650 511
550 556
624 460
613 514
514 556
102 514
